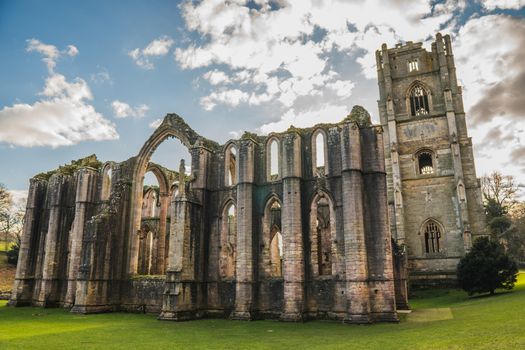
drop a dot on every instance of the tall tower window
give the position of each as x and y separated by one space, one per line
425 163
432 237
419 101
413 65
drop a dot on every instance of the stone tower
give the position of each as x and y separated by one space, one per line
434 196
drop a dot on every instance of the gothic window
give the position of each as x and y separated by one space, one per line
106 182
228 242
425 163
324 242
231 165
272 161
419 101
319 153
276 241
413 65
432 237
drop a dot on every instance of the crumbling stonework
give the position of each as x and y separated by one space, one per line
246 235
291 226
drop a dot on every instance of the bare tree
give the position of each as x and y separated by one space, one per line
11 217
500 189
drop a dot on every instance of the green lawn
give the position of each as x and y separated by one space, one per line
441 320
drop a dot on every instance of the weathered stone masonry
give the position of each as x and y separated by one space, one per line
434 195
233 238
291 226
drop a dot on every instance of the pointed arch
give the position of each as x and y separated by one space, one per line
320 152
273 158
432 234
271 262
418 99
231 164
107 177
323 249
425 161
173 126
228 240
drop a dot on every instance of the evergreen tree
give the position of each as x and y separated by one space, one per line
486 267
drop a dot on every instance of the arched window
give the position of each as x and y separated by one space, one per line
106 182
324 242
273 160
322 236
419 101
276 241
319 153
271 261
231 165
228 242
425 163
432 234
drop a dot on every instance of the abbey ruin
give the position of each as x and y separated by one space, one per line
326 222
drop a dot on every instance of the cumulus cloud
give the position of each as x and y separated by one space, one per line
286 53
326 113
124 110
491 69
62 117
502 4
155 124
50 53
228 97
216 77
156 48
489 58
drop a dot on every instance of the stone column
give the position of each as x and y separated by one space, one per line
85 197
292 229
58 187
378 237
353 227
25 269
244 266
161 238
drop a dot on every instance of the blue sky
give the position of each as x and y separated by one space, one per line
83 77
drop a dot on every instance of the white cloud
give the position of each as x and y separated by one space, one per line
283 53
101 77
72 50
324 114
216 77
489 58
156 48
502 4
19 198
155 124
124 110
50 52
62 117
228 97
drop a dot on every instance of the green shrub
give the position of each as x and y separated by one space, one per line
486 267
12 254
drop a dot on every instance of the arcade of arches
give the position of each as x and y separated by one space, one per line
290 226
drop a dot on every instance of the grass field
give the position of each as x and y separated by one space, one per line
442 319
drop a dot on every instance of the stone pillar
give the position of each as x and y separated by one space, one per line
85 197
57 196
160 262
292 229
244 266
378 238
356 261
184 297
24 280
